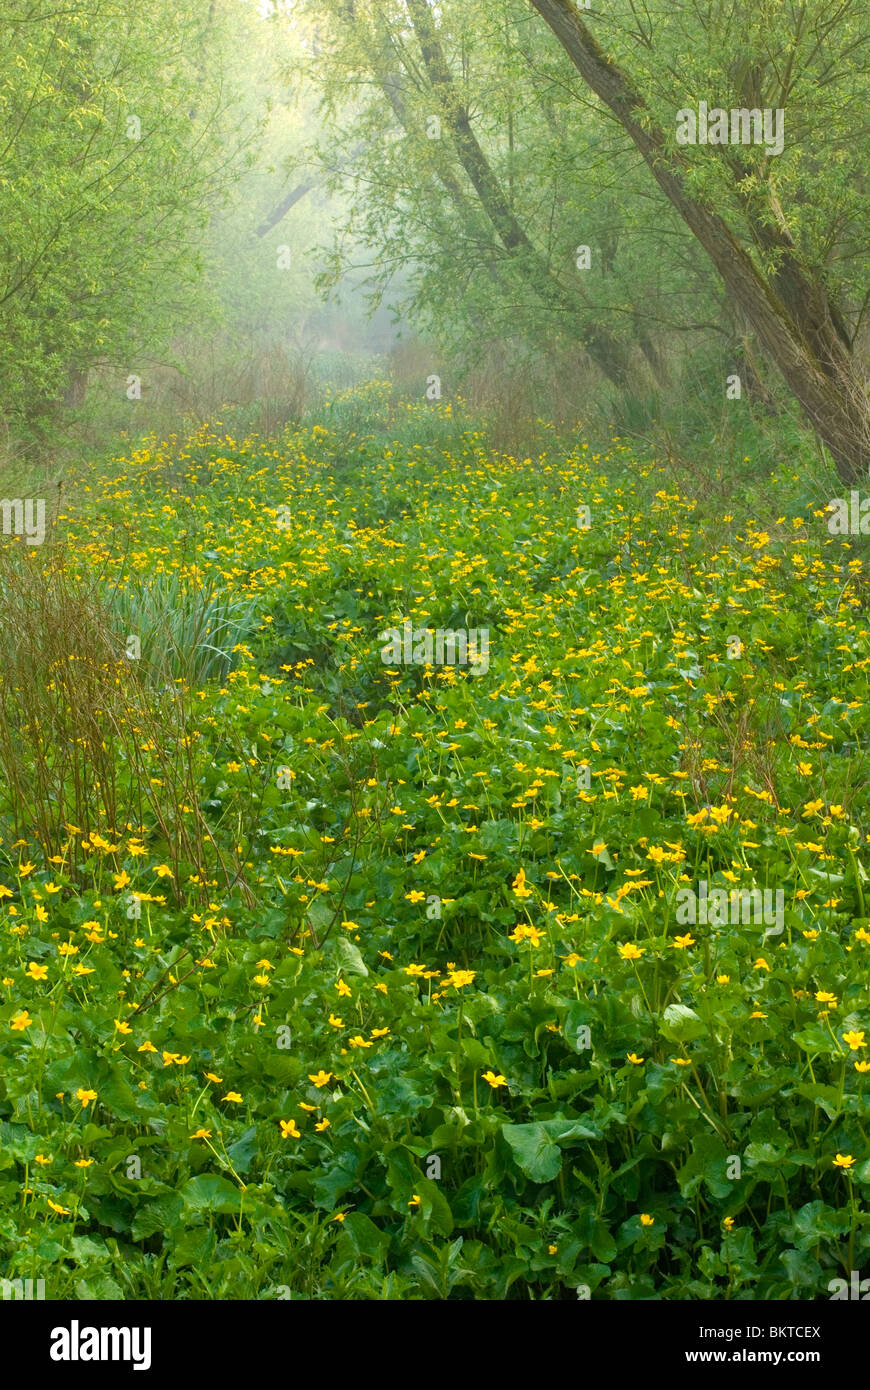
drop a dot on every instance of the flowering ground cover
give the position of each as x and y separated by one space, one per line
326 977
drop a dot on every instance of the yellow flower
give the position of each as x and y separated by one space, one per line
61 1211
522 932
21 1021
201 1134
289 1129
631 952
360 1041
210 1076
414 1201
459 978
854 1039
43 1160
519 885
646 1219
36 972
495 1079
320 1078
728 1223
321 1125
234 1097
122 1026
862 1066
84 1162
335 1022
85 1096
843 1161
634 1059
147 1047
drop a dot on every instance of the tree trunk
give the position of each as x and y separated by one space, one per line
791 315
609 353
282 208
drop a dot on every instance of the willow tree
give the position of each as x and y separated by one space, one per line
463 180
112 156
786 230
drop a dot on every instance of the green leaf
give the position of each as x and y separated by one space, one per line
365 1239
242 1151
160 1215
100 1288
680 1024
534 1152
210 1192
349 958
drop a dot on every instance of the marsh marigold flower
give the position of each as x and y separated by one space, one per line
628 951
519 885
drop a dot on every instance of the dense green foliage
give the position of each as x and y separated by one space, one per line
433 668
110 153
414 928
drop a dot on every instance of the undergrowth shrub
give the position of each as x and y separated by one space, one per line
90 741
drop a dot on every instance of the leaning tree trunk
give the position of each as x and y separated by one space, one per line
609 353
792 317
